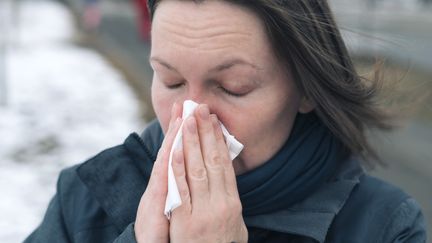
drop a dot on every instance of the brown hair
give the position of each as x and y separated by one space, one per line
305 36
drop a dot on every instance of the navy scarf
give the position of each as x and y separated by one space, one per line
307 160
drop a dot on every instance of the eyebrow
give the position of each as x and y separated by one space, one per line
231 63
163 63
224 66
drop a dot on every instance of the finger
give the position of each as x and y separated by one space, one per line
176 111
170 134
230 177
195 170
180 177
157 188
212 156
160 168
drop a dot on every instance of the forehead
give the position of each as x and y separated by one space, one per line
196 37
198 23
188 11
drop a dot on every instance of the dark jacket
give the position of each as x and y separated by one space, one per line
97 202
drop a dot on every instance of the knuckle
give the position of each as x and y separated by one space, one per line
223 210
233 206
237 207
215 158
215 161
198 173
184 193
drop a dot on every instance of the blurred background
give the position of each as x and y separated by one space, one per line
74 79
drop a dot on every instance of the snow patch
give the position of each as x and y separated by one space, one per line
66 104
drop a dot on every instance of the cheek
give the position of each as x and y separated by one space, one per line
264 127
162 104
241 122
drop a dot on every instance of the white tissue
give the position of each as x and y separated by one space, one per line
234 147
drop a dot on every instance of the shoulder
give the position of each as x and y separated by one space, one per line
133 158
91 193
374 193
97 199
81 210
377 211
69 179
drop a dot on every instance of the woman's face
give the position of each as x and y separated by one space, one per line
218 54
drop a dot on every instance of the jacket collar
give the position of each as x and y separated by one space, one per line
313 216
118 177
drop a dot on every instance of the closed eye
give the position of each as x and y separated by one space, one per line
231 93
174 86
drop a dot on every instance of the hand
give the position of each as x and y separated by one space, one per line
211 210
151 225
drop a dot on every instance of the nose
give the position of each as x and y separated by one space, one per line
198 95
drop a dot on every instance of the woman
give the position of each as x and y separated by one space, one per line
278 76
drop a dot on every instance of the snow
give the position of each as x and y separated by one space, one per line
65 104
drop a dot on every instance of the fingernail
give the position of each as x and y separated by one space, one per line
191 125
204 112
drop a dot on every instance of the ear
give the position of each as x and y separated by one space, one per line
306 105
